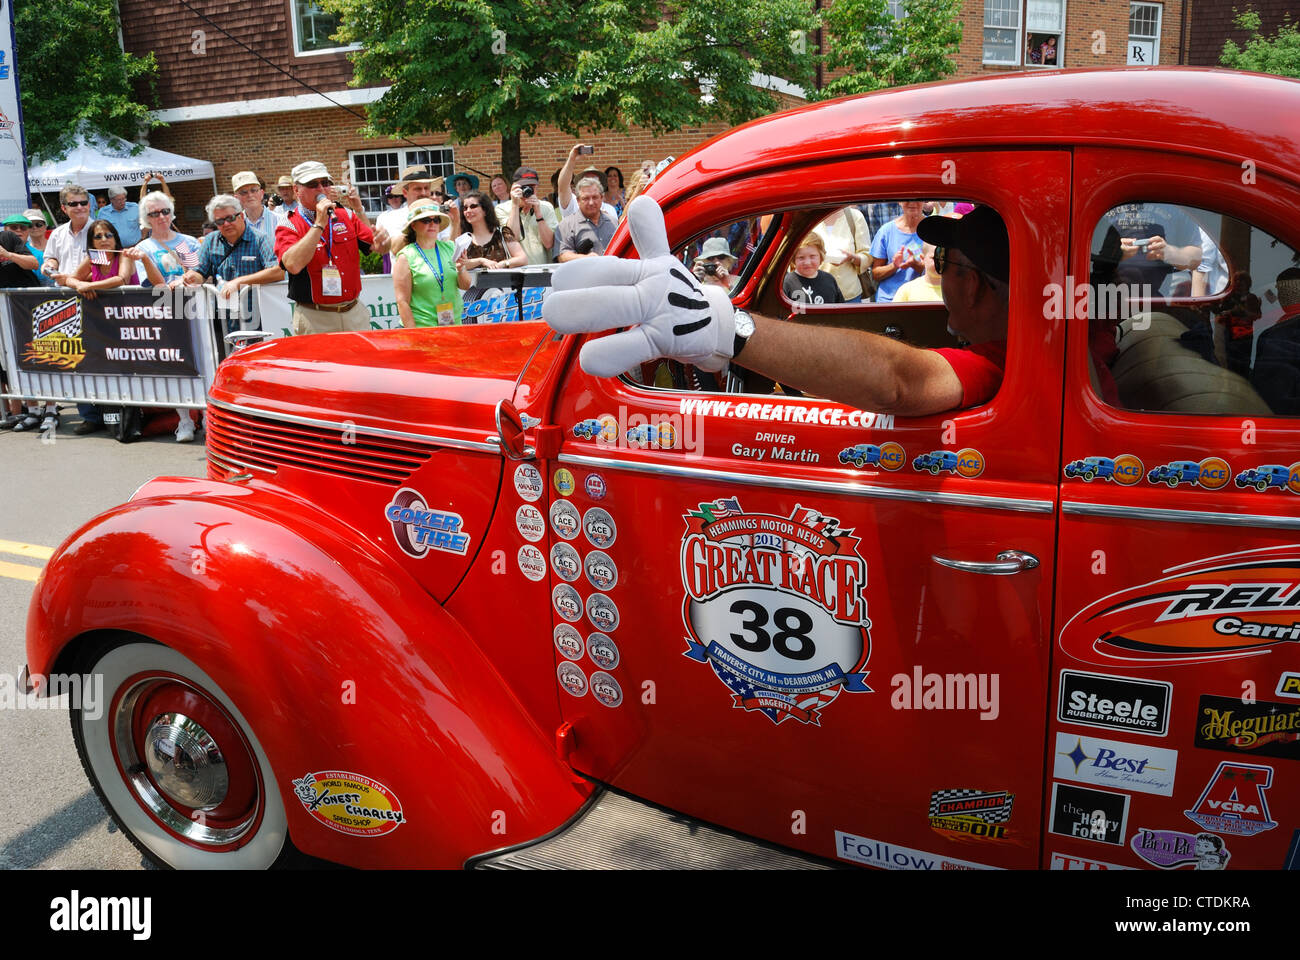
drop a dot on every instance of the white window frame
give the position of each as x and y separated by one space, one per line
1160 22
1059 34
1020 36
297 39
442 168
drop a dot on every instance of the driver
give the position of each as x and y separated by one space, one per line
669 314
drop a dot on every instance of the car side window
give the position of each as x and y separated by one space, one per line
1193 311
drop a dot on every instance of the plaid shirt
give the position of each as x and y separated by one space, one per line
879 214
252 252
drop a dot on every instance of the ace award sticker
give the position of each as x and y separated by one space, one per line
568 641
571 678
599 527
565 562
565 520
531 562
601 570
603 651
567 602
602 612
350 803
531 523
528 482
775 606
606 689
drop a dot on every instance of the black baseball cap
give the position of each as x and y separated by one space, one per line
525 174
980 235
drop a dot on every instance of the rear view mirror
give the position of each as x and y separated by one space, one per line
510 433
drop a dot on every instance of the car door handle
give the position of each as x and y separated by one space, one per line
1009 562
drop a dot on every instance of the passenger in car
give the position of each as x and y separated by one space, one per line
670 315
1277 354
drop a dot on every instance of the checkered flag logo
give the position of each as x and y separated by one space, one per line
57 316
990 806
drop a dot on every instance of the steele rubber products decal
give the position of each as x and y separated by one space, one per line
971 813
528 482
1220 608
1234 801
531 562
568 641
1171 849
564 519
1260 729
1063 861
603 651
565 562
350 803
531 523
606 689
601 570
1095 815
417 529
1115 703
571 678
1120 766
890 856
774 606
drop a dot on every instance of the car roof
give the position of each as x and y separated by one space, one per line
1209 111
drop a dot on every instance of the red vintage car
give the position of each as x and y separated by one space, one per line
413 617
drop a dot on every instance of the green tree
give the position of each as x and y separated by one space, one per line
474 67
71 69
881 51
1279 54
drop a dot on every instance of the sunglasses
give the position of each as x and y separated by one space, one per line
160 213
470 206
318 184
77 203
943 260
101 236
38 223
247 191
222 221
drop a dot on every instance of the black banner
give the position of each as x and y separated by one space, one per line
118 333
1260 728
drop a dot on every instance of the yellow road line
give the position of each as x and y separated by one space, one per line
19 571
33 550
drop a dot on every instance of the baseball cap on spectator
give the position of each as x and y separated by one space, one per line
17 219
981 236
245 178
34 216
525 175
309 170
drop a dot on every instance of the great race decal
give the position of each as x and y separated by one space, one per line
350 803
417 529
775 606
1220 608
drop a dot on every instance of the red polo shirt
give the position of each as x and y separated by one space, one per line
979 368
349 237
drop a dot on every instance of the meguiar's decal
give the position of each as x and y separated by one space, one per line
418 529
968 462
775 606
1234 800
1212 473
1220 608
350 803
1124 469
1171 849
1259 728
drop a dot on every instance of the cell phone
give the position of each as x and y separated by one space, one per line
586 148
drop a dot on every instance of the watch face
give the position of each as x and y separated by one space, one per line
744 323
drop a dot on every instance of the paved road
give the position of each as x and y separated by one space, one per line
53 818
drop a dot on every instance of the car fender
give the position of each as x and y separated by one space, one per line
334 655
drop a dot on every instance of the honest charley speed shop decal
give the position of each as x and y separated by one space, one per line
774 606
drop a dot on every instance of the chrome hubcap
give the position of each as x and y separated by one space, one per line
186 763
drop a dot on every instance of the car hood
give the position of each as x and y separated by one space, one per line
448 378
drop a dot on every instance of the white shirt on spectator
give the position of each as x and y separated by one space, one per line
572 208
267 223
68 248
394 221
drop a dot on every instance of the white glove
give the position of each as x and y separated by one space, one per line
668 312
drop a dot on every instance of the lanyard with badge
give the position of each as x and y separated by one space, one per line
331 281
446 310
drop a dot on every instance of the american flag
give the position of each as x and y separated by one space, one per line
188 256
726 508
100 257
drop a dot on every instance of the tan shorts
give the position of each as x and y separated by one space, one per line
311 320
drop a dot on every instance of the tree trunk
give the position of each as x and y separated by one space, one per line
511 154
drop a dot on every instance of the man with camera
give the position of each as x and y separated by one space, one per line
587 232
715 263
529 217
320 246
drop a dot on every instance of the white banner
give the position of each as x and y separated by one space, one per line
13 157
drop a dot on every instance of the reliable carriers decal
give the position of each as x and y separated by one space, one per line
774 604
1220 608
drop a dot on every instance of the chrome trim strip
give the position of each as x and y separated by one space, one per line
816 486
234 466
372 431
1178 516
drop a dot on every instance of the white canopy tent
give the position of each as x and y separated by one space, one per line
98 160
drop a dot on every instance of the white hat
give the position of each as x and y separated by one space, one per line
246 178
716 247
309 170
422 209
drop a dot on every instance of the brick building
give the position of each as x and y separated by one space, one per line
225 105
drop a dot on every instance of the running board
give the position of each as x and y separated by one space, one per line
618 832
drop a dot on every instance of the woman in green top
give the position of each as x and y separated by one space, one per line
426 281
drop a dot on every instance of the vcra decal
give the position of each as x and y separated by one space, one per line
1212 473
1219 608
759 588
1125 469
1234 802
968 462
417 529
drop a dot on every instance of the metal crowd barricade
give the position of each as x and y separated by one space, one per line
33 370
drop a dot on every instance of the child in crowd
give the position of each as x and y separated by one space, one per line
924 288
808 283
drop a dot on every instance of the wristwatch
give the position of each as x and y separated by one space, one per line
744 330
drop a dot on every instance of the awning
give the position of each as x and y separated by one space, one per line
98 160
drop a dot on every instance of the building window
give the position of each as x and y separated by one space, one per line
1144 34
1043 23
373 170
1002 32
896 9
312 28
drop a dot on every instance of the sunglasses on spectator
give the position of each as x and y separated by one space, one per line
222 221
244 191
470 206
77 203
943 260
318 184
160 213
38 223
